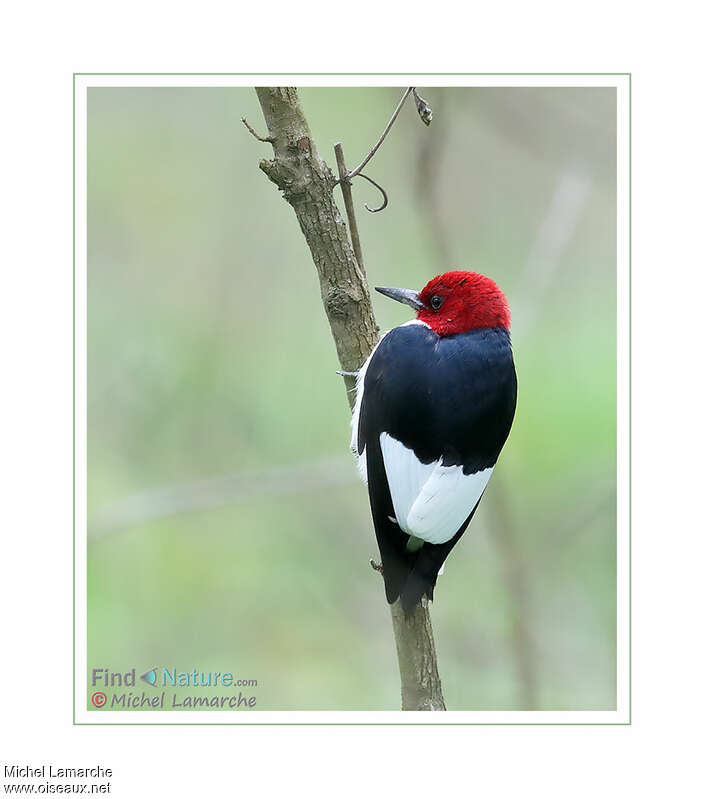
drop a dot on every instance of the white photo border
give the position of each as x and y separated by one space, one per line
622 714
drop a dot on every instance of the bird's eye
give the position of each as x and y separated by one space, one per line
436 302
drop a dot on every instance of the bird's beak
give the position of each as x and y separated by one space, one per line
407 296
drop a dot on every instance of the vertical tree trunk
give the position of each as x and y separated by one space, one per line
416 653
307 183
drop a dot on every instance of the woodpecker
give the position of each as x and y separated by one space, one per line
434 405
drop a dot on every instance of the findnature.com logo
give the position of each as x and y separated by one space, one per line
108 690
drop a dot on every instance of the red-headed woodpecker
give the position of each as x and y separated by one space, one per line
435 402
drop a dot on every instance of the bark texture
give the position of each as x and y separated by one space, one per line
307 184
416 653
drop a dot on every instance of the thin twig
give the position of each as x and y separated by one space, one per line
268 139
349 207
359 168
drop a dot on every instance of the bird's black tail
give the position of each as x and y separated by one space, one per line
396 562
424 572
409 575
422 577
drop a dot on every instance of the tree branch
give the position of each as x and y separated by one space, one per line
346 188
307 184
268 139
416 653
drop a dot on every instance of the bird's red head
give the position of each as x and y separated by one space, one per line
457 302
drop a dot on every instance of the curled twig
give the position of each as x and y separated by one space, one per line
425 112
385 199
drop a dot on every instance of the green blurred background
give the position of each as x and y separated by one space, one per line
227 527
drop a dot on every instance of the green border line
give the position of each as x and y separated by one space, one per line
363 74
630 398
73 401
627 723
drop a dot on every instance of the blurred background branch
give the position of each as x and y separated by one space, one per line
215 492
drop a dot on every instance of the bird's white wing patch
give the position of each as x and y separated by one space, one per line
406 476
444 502
430 501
